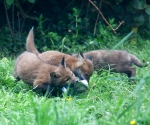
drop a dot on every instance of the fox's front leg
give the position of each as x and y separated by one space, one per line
40 84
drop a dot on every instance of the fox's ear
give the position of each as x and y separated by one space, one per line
89 57
81 54
80 60
63 62
55 75
32 28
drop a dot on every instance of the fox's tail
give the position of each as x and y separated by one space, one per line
30 43
137 62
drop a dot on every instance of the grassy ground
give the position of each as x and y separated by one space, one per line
110 100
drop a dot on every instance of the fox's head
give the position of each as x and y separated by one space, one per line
86 67
63 76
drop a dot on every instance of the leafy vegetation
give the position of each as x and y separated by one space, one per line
70 26
110 100
73 26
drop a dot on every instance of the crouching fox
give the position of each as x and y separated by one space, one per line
33 71
119 61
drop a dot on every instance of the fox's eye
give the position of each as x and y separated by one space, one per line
67 79
72 73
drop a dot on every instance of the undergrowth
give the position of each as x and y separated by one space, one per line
110 99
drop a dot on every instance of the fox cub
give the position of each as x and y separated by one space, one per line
33 71
117 60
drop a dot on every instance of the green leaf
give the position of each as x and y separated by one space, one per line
147 10
31 1
111 21
9 2
138 4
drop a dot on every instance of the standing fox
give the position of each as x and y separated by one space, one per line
54 57
33 71
117 60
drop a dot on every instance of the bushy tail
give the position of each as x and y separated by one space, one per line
137 62
30 43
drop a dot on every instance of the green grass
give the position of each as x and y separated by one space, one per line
110 100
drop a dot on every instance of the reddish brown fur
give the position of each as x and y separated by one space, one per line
117 60
33 71
54 57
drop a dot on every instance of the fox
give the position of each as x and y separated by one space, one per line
33 71
53 57
119 61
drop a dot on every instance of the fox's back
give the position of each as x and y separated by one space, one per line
113 57
26 67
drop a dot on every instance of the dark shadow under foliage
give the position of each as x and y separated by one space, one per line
69 26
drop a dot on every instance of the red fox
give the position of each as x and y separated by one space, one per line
33 71
117 60
54 57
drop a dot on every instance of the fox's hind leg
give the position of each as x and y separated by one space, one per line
131 74
17 79
130 71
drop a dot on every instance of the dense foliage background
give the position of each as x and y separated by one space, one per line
66 25
72 26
